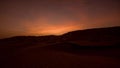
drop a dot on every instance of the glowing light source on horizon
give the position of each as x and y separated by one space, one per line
52 30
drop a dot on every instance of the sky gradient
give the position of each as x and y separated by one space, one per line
56 17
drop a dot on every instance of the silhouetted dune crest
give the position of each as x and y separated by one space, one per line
100 36
111 33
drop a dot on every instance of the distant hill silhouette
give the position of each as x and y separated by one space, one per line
105 36
97 36
100 34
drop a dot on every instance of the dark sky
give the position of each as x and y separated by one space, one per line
46 17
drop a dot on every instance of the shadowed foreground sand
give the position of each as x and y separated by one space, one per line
44 57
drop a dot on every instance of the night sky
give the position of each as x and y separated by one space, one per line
56 17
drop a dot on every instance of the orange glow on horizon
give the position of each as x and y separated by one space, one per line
46 26
52 30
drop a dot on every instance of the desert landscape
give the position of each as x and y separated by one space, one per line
59 33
